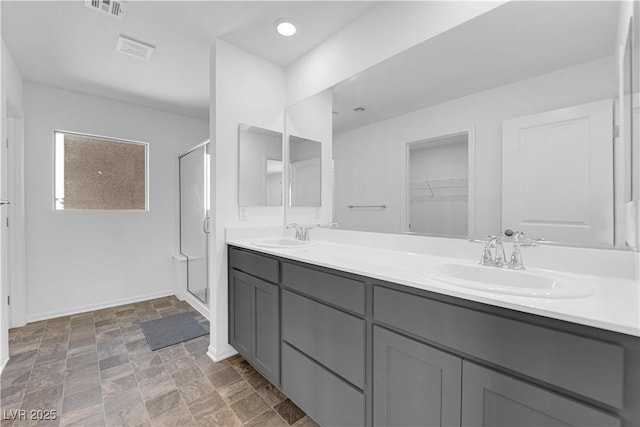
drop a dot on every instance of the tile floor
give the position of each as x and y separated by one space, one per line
96 369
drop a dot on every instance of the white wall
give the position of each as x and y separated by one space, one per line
303 150
12 80
386 30
244 89
11 104
370 161
79 260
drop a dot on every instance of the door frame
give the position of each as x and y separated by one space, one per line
16 213
471 165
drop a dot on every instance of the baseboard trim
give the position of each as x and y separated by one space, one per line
3 364
99 306
218 356
199 306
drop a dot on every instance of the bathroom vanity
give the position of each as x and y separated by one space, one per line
352 349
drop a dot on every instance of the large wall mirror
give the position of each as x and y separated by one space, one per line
506 121
260 168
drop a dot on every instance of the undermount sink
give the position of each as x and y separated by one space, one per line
282 243
512 282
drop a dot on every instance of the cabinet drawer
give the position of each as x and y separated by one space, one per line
338 290
322 395
585 366
493 399
257 265
330 336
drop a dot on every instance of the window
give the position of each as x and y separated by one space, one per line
98 173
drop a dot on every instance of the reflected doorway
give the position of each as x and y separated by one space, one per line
438 199
194 218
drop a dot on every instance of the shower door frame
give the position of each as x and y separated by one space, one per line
206 219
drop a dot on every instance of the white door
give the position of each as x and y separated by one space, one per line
305 183
557 174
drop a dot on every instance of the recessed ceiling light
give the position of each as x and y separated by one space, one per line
285 27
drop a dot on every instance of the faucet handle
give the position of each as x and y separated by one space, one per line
489 242
520 239
486 259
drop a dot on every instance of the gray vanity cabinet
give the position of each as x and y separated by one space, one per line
355 351
497 400
413 384
254 327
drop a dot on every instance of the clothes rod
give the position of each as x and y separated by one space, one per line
367 206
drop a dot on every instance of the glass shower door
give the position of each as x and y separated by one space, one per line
194 218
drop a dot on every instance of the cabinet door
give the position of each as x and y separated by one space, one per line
414 384
266 330
240 312
493 399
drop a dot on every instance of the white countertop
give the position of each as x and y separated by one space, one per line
614 304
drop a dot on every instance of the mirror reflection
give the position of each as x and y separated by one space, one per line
260 167
533 87
439 186
304 172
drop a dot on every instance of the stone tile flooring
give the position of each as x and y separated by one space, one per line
96 369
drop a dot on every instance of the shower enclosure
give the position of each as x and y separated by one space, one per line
194 218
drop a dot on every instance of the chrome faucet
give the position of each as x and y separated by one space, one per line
497 258
302 232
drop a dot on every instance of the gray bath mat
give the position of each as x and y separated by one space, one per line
171 330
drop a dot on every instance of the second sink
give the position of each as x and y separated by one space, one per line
514 282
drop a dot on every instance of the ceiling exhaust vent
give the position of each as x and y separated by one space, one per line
134 48
110 7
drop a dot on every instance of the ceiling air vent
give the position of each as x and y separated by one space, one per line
134 48
110 7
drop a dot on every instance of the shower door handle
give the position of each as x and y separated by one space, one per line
5 202
205 225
